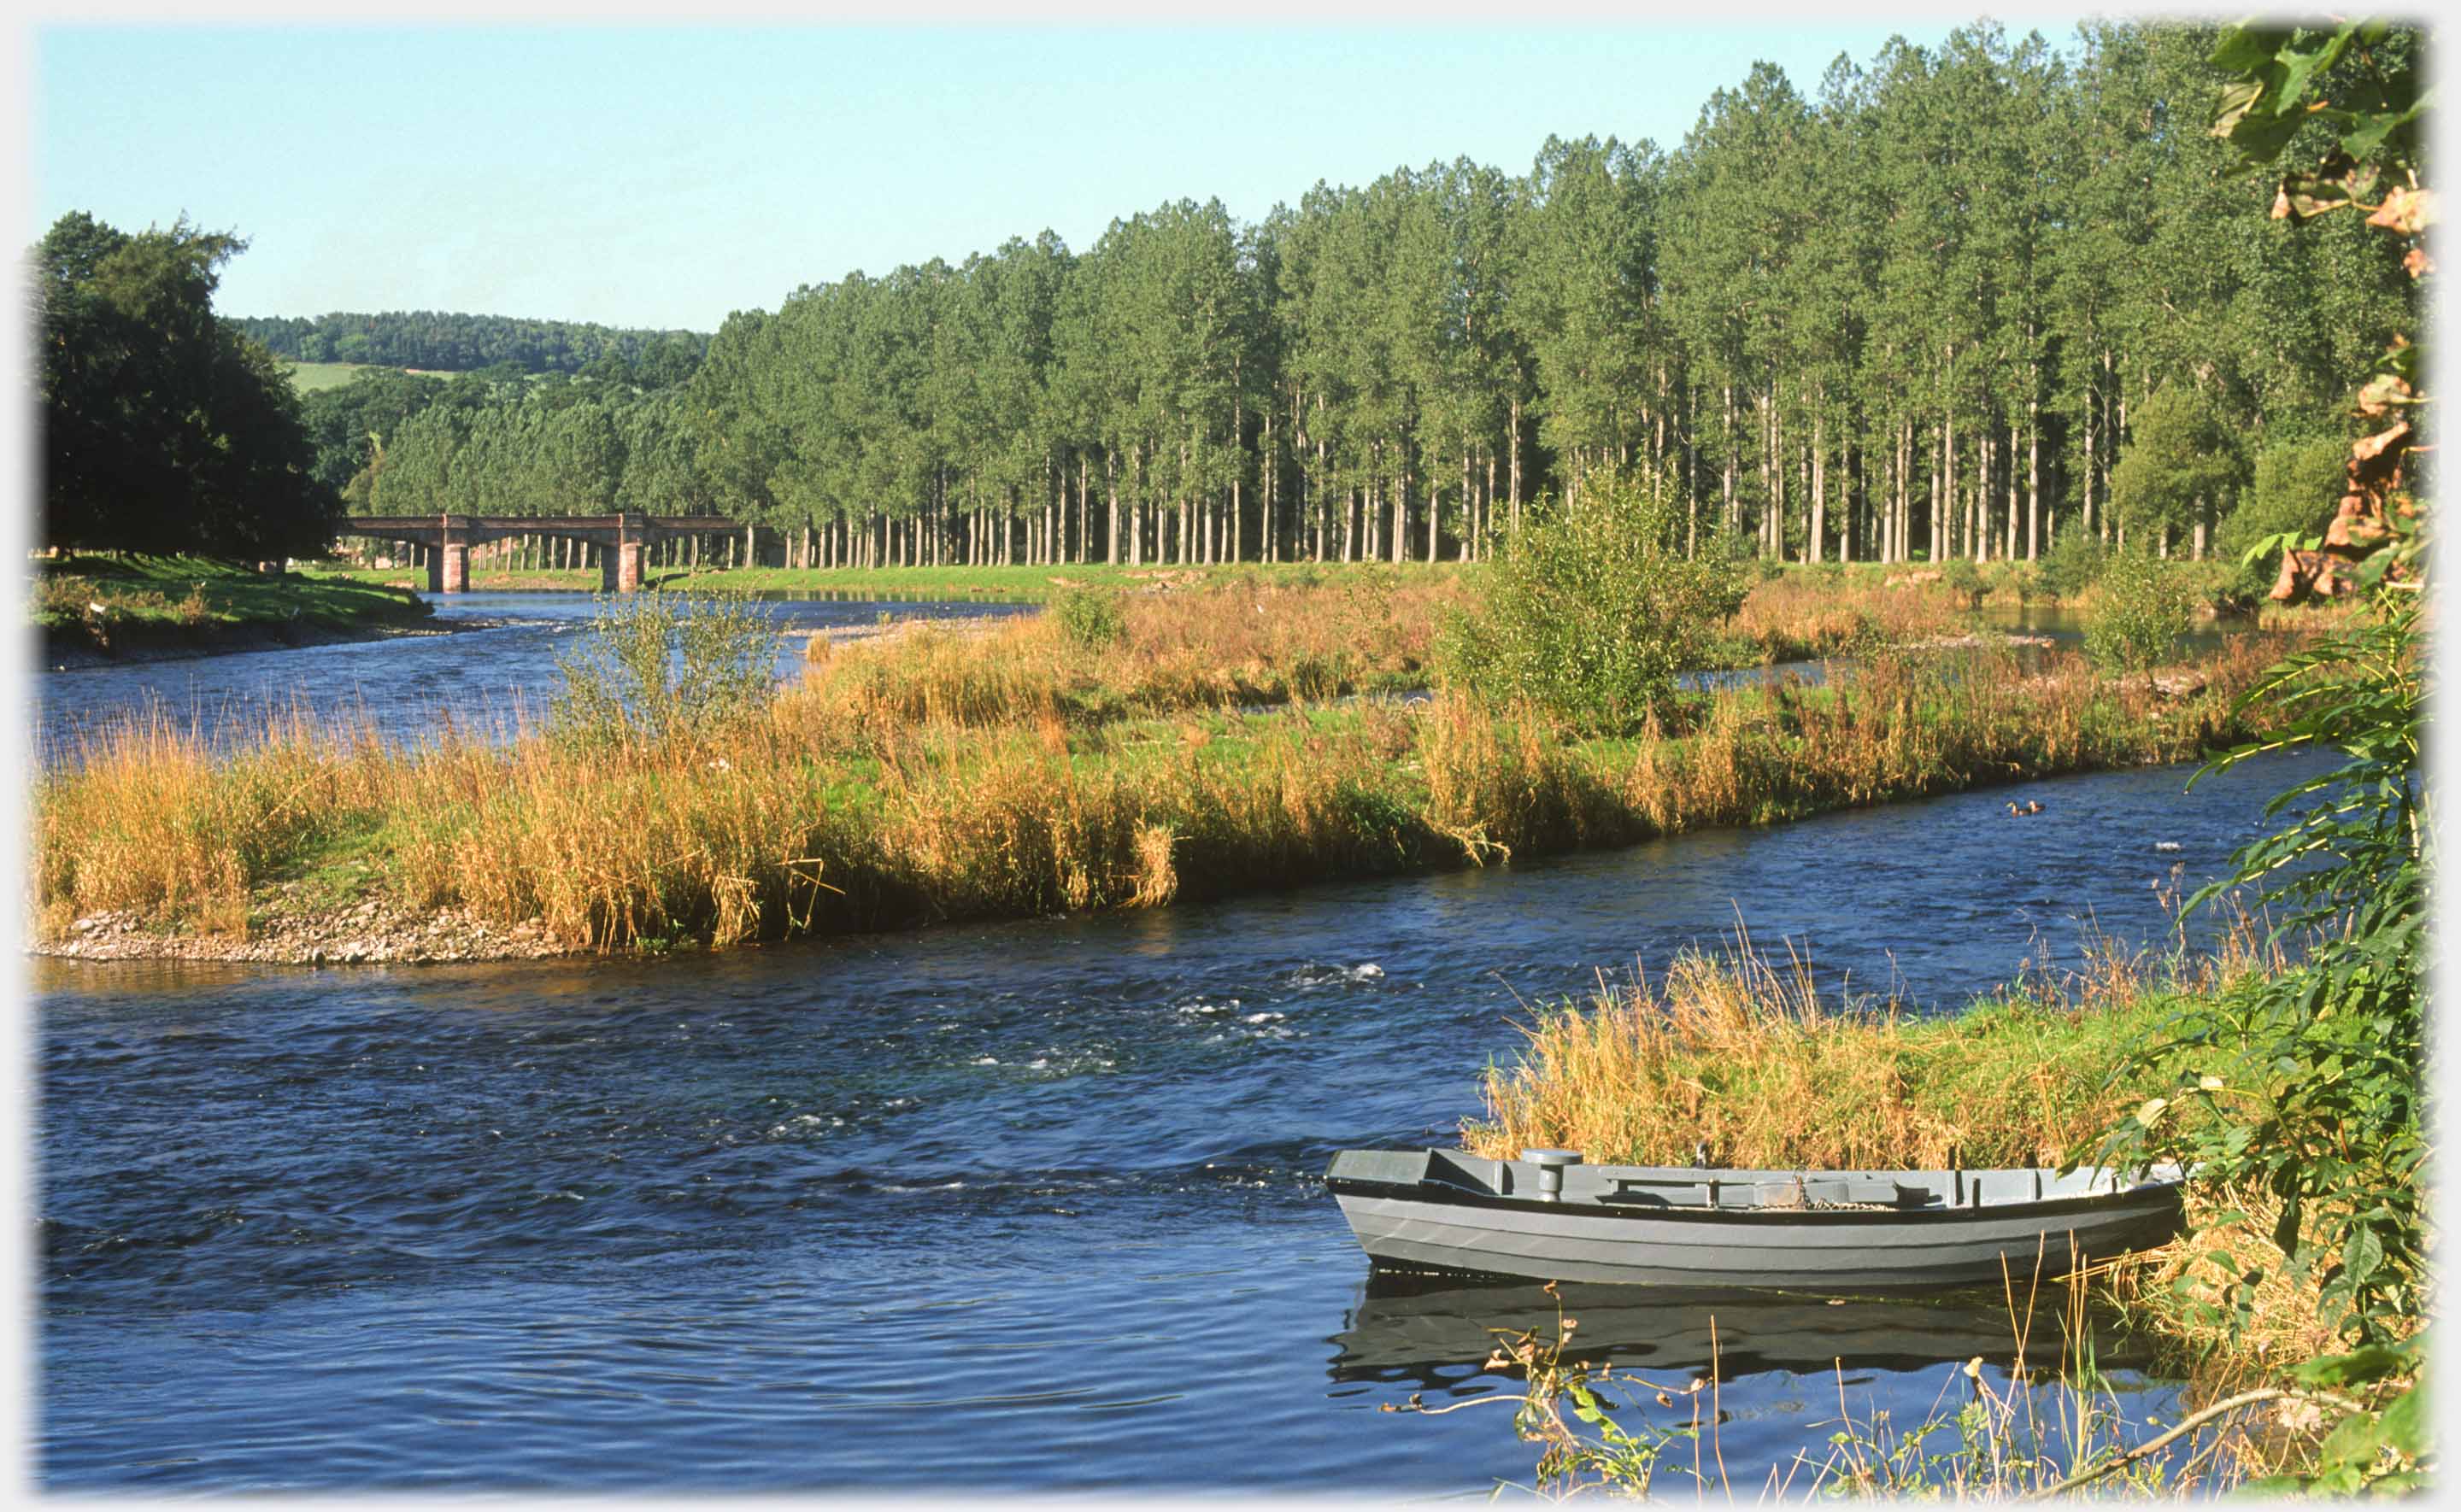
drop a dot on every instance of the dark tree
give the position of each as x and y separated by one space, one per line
164 429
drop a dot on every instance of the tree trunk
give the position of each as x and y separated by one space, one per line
2033 480
1512 440
2010 554
1819 484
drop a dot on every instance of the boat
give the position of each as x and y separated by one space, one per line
1551 1216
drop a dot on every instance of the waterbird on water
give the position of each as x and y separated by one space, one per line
2031 806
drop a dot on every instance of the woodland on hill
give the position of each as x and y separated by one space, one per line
1954 301
436 342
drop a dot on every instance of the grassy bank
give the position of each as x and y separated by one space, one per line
944 775
1015 585
1745 1055
485 578
137 602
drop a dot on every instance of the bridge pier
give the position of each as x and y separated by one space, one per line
622 541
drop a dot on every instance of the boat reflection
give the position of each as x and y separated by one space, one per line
1434 1330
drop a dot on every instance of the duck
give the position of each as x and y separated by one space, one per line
2030 806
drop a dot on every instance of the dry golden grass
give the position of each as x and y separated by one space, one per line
1805 616
941 774
1745 1052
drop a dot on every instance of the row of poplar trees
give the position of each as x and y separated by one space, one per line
1911 314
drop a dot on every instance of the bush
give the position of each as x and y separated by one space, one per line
1090 618
2145 606
2297 485
1590 612
1964 578
655 666
2074 562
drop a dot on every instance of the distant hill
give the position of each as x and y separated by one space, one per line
457 343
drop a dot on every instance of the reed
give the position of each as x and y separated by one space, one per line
1240 645
1748 1053
1806 615
966 777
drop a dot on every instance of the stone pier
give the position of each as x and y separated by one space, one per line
622 540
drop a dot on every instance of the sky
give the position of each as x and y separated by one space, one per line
664 176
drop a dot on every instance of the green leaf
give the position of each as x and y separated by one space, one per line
2374 1362
2298 68
2249 46
2353 1441
2285 1229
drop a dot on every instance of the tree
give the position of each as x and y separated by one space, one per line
164 429
2180 462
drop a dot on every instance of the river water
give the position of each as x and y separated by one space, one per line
483 680
1029 1206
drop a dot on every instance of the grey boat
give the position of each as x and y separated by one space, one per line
1550 1215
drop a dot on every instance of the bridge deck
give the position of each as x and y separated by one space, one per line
537 524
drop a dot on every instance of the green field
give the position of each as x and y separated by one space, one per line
308 378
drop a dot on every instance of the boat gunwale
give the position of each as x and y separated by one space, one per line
2151 1193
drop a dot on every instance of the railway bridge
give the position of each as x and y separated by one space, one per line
622 540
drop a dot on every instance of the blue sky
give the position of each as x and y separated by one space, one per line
663 177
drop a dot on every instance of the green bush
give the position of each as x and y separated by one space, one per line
2297 485
2145 606
1091 618
656 666
2074 562
1963 577
1590 612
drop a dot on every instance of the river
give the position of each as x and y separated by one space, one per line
483 680
1026 1207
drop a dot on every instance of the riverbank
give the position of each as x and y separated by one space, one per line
1012 584
93 610
1012 771
1748 1057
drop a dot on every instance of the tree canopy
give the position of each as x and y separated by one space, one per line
443 342
164 429
1929 308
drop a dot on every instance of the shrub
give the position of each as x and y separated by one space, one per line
1965 580
655 666
2144 607
1090 618
1590 612
2074 562
2309 1084
2298 483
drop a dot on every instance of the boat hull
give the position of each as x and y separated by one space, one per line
1441 1222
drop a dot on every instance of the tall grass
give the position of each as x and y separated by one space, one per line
1745 1054
1802 616
940 776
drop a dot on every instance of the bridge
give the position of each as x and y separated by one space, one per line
622 540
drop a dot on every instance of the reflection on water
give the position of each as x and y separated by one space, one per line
1425 1329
